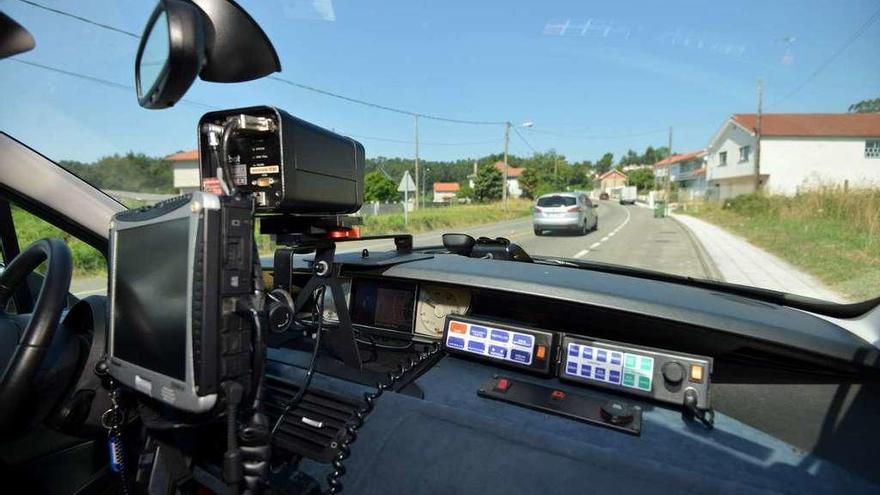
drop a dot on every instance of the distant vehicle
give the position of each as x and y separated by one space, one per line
572 211
603 196
628 195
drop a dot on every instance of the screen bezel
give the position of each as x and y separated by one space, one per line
181 394
410 286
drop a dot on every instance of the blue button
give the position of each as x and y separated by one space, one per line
571 368
455 343
588 352
499 336
520 356
520 339
476 346
600 355
585 370
614 376
479 331
497 351
600 373
573 350
615 358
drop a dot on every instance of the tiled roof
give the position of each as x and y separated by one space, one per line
813 124
184 156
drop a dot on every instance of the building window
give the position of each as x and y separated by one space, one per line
872 148
722 159
744 152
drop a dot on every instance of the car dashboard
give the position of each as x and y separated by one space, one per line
505 376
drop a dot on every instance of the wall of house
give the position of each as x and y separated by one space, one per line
804 163
186 175
732 138
513 188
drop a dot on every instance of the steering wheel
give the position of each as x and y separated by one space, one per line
16 382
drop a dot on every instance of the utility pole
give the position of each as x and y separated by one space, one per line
504 178
417 160
758 136
669 168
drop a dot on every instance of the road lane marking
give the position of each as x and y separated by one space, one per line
610 235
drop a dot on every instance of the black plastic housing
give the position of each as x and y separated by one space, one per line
294 167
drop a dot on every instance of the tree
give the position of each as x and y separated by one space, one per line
488 184
650 155
865 106
604 164
465 191
642 178
378 187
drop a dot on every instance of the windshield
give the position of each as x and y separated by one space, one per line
737 142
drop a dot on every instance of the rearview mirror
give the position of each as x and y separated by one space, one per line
171 54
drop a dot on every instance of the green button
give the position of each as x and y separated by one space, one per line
644 383
629 379
630 361
647 363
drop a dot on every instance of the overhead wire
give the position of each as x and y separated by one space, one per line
80 18
516 131
831 58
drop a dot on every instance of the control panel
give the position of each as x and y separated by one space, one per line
665 376
514 346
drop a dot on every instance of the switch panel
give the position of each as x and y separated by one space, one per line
654 373
514 346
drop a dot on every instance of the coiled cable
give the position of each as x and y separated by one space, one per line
360 415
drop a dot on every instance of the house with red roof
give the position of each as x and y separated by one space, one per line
445 192
798 151
687 171
513 174
185 170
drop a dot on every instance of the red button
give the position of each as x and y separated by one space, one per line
557 395
502 384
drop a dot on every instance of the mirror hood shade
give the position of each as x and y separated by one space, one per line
14 39
236 47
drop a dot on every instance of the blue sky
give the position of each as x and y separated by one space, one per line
592 76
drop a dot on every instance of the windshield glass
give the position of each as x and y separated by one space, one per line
737 142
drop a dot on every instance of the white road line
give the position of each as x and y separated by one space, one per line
611 234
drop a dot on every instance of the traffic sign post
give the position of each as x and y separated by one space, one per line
406 186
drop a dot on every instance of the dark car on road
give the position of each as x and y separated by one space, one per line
603 196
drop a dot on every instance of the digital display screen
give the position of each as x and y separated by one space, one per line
149 302
383 304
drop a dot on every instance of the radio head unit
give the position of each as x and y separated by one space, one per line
180 274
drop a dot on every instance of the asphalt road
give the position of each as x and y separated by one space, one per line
627 235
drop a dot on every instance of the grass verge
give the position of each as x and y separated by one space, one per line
831 234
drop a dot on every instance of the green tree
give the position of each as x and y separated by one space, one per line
650 155
378 187
642 178
488 184
465 191
604 164
865 106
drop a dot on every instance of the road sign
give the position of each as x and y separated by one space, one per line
406 183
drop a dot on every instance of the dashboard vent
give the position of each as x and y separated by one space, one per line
313 428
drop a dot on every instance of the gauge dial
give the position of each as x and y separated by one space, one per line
437 302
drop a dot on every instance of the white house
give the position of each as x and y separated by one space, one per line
513 174
185 170
445 192
687 171
798 151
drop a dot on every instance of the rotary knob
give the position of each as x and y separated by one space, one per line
673 372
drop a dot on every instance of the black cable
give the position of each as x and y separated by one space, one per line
319 310
81 19
224 155
352 426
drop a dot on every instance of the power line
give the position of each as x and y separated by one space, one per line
595 136
98 80
824 65
515 130
428 143
384 107
81 19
